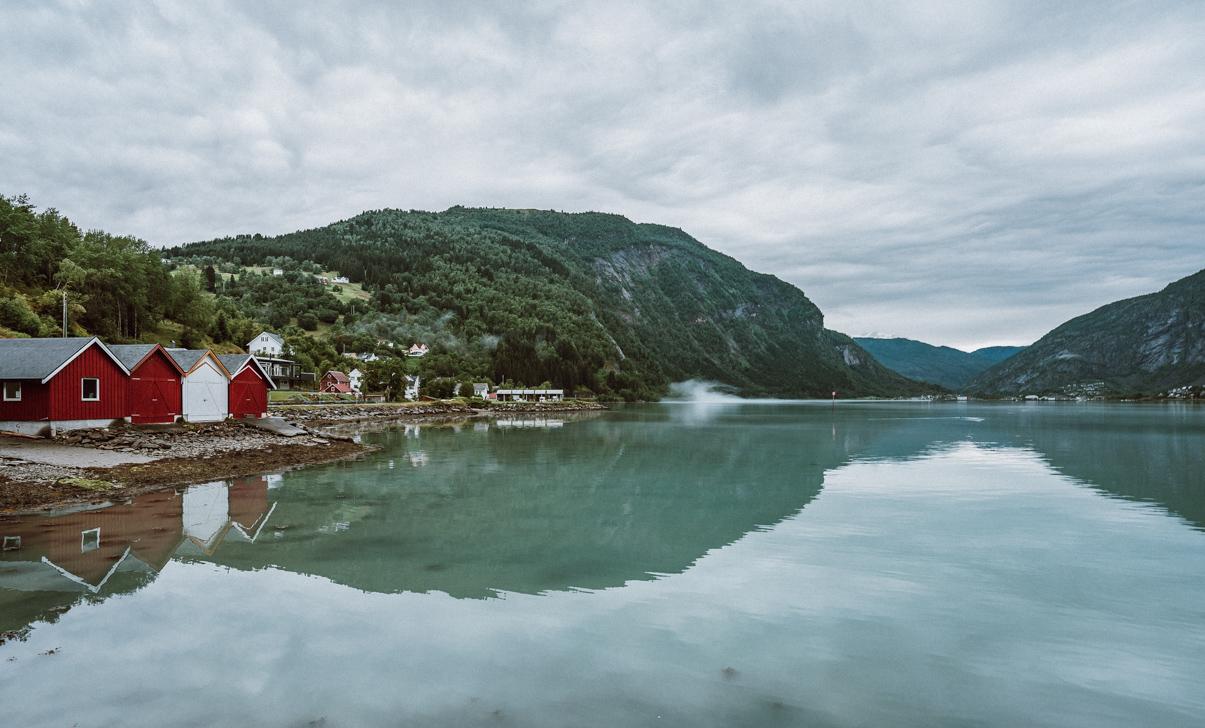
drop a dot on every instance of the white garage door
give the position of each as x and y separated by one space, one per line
206 393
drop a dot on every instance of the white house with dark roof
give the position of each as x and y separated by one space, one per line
267 344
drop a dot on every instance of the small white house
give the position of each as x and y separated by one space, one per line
340 280
267 344
277 272
481 389
418 350
355 377
412 383
530 395
205 386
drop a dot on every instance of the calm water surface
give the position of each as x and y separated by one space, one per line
679 564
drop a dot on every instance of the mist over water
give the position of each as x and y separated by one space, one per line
703 392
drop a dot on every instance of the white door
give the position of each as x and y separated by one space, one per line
206 394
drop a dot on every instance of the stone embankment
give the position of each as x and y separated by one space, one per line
332 414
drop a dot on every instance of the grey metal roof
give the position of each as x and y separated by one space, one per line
279 339
187 358
131 354
233 362
37 358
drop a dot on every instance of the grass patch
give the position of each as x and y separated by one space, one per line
91 484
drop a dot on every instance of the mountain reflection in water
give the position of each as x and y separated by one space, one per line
543 504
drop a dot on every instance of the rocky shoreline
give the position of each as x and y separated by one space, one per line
104 465
98 466
319 415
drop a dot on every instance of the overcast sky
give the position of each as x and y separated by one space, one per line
965 173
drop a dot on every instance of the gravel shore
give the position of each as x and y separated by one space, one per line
93 466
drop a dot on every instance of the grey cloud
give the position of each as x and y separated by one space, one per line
965 174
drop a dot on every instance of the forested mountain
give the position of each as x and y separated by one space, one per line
583 300
943 365
1140 345
996 354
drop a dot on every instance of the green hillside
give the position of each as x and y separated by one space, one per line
583 300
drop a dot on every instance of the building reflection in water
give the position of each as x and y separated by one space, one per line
88 551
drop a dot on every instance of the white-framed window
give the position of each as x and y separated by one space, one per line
89 389
12 391
12 543
89 540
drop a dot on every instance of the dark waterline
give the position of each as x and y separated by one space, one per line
677 564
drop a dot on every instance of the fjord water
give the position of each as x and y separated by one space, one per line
685 564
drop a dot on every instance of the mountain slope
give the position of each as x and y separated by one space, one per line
942 365
996 354
1139 345
583 299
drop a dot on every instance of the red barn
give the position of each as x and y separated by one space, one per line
249 385
50 385
336 382
153 395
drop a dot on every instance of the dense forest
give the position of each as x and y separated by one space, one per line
586 301
589 302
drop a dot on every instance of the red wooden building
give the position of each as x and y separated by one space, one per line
249 385
153 394
336 382
48 385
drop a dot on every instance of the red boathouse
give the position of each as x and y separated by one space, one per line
249 385
153 394
49 385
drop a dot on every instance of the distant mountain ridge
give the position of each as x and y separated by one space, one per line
583 299
1142 345
942 365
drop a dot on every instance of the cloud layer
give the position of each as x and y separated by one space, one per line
966 174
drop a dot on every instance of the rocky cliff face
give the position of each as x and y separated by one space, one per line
1145 344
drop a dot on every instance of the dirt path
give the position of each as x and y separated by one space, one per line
49 452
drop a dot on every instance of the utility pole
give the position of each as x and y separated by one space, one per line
64 313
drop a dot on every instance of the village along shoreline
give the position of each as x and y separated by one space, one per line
96 468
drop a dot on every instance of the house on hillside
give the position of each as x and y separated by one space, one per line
356 378
336 383
205 386
51 385
277 272
153 394
249 385
270 350
340 280
267 344
417 350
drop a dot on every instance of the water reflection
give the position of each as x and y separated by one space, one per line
51 562
532 505
789 565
